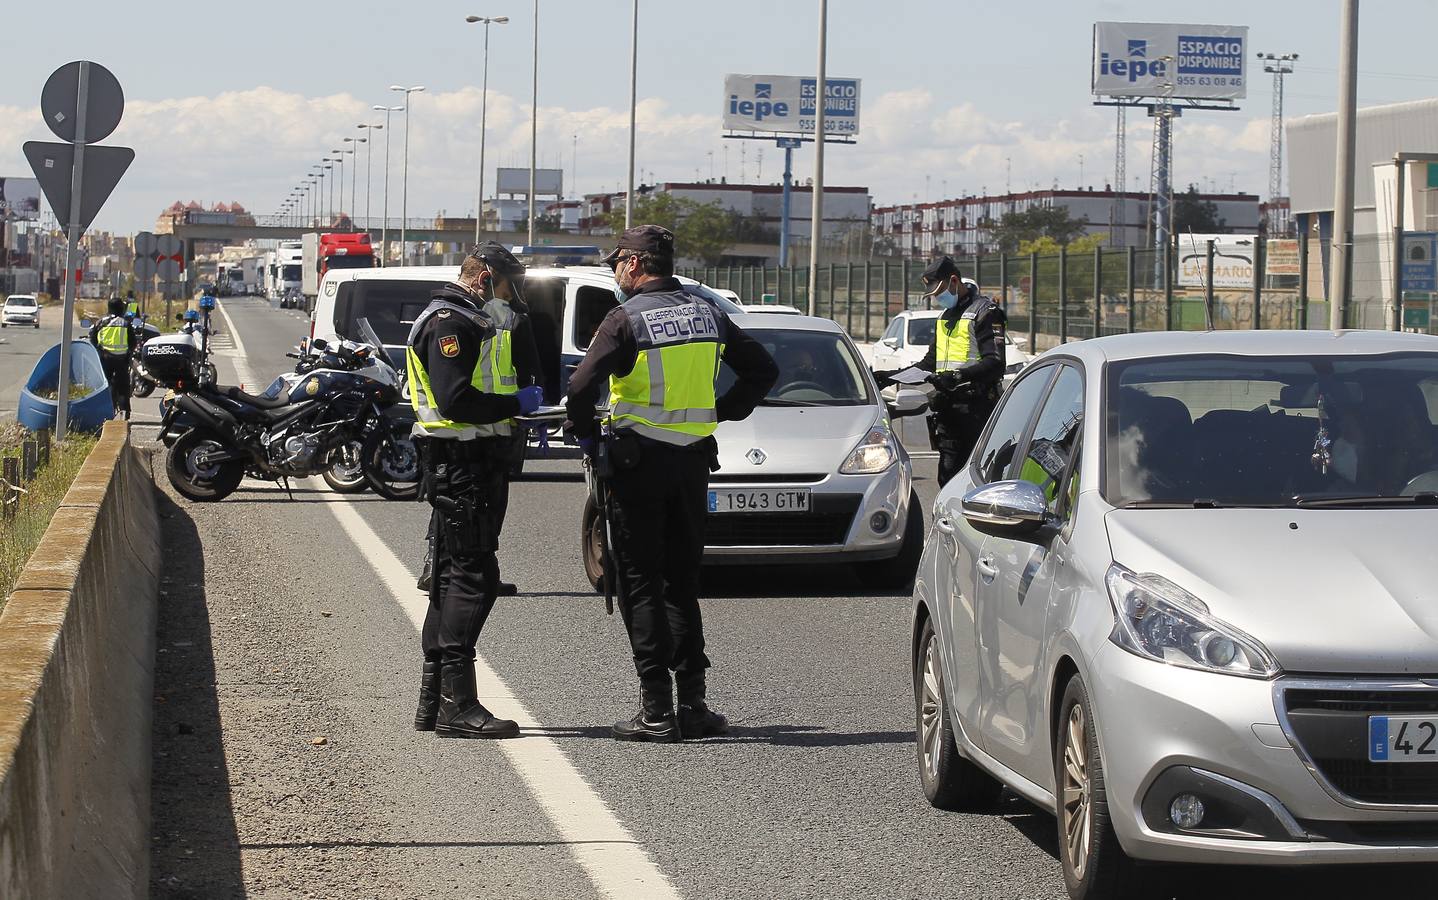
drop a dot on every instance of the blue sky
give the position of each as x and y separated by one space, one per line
235 101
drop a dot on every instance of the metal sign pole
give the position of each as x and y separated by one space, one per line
77 181
816 229
788 192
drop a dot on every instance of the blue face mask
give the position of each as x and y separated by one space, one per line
619 295
946 300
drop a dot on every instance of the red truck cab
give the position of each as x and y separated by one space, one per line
349 250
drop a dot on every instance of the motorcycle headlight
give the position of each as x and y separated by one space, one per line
875 453
1159 620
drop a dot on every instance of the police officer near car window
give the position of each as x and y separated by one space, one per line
509 361
658 354
967 362
458 403
115 339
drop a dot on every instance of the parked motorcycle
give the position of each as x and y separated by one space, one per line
299 427
142 384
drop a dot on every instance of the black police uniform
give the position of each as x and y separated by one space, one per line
660 497
116 366
963 402
463 481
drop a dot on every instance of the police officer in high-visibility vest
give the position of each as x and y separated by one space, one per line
967 359
509 361
658 354
457 405
115 339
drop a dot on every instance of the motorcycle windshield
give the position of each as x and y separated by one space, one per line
368 335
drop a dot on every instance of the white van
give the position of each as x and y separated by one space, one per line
566 305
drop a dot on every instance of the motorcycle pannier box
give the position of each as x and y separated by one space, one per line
171 358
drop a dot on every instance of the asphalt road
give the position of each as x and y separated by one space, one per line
285 764
21 346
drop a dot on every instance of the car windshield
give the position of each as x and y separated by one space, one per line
1272 431
816 368
27 301
921 331
292 273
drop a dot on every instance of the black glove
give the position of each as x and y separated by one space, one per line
944 381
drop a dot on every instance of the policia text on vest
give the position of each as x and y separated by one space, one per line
465 395
658 356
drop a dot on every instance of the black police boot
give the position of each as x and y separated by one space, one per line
461 715
428 697
696 719
655 722
427 573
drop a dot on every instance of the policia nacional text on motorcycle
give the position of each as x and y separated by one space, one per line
511 362
967 359
450 357
659 352
115 339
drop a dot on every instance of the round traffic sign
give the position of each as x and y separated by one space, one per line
104 102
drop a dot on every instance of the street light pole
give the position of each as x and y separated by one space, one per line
354 176
369 172
483 113
534 122
404 179
1340 270
384 225
816 226
339 157
633 102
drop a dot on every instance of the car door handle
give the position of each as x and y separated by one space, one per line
986 568
944 524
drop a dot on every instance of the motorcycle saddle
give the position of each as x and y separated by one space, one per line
259 402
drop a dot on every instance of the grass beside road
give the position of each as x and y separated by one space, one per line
20 535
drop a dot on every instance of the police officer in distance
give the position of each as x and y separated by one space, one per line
658 353
508 361
456 408
967 359
115 339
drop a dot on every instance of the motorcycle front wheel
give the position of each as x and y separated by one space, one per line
140 386
347 475
195 477
391 463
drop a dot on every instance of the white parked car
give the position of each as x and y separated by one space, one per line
20 309
780 309
911 333
815 474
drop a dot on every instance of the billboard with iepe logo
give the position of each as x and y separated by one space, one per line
19 199
1200 62
785 104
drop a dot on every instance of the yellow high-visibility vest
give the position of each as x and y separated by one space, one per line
669 394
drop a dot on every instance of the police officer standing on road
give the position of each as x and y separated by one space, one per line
658 352
508 361
115 339
967 359
457 406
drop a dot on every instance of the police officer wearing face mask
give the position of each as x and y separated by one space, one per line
658 353
508 362
967 359
458 401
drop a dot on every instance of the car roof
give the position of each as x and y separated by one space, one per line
447 273
19 297
760 321
920 313
1144 345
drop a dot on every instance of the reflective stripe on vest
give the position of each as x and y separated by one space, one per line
669 394
114 338
954 343
428 419
496 362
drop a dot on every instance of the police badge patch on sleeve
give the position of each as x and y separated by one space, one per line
449 345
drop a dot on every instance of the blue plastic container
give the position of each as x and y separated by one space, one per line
86 413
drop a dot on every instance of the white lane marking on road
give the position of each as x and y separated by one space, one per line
237 355
615 862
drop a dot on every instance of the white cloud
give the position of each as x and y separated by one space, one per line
255 145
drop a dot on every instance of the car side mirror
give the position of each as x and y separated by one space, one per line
891 343
1006 507
907 403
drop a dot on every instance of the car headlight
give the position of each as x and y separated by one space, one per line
875 453
1157 619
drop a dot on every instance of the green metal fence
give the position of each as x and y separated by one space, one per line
1051 298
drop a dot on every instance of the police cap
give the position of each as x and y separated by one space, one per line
499 260
937 273
642 239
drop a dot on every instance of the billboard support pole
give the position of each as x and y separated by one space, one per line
1399 179
816 228
1340 270
784 210
72 252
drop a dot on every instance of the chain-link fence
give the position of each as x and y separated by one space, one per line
1071 296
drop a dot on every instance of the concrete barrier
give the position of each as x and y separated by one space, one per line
77 650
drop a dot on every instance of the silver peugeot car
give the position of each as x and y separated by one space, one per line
1184 597
816 473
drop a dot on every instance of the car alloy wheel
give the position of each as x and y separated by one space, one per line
1076 805
931 710
949 780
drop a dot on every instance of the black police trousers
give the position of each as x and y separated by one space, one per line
117 373
658 532
465 569
958 431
